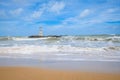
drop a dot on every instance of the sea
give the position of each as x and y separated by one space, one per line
64 48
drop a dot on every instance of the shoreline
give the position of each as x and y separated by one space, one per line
37 69
88 66
33 73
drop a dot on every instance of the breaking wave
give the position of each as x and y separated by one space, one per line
66 38
62 48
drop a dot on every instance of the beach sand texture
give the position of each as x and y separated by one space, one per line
30 73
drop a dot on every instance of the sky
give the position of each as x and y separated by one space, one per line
59 17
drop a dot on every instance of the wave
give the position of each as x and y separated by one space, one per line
67 38
61 58
62 48
5 38
62 52
23 39
20 38
93 38
31 49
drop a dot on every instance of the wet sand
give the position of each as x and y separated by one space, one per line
34 69
33 73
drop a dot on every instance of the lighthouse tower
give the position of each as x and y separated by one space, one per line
41 32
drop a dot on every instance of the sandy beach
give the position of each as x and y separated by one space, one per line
30 73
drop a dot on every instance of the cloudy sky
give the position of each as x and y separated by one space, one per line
59 17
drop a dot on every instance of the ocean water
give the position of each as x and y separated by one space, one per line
65 48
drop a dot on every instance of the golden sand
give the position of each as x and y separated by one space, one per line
28 73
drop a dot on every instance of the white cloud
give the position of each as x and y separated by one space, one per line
112 10
46 8
78 19
105 16
57 7
16 11
36 14
85 13
101 17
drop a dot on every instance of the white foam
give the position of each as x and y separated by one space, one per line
31 49
62 48
24 39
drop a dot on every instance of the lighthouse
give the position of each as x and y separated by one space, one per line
41 32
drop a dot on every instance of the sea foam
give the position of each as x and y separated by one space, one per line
63 48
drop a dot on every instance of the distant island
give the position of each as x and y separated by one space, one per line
40 35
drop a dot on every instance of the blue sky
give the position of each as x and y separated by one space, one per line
59 17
